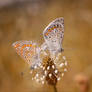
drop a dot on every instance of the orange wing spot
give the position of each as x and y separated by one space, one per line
23 46
49 30
52 28
55 27
30 45
21 51
46 33
17 45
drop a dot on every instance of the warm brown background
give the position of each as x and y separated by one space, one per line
26 20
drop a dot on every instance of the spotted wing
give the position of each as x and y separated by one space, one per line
53 35
28 51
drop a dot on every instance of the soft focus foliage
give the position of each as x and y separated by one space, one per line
26 20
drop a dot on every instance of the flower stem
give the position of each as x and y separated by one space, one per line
55 89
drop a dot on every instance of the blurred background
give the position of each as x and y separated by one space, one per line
26 20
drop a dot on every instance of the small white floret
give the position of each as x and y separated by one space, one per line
62 74
61 65
56 71
53 66
66 63
43 68
41 78
45 72
65 70
50 75
37 75
37 80
58 78
48 67
64 57
35 67
42 82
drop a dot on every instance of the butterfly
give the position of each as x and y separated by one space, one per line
53 36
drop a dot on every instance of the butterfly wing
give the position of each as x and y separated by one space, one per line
44 46
53 35
28 51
